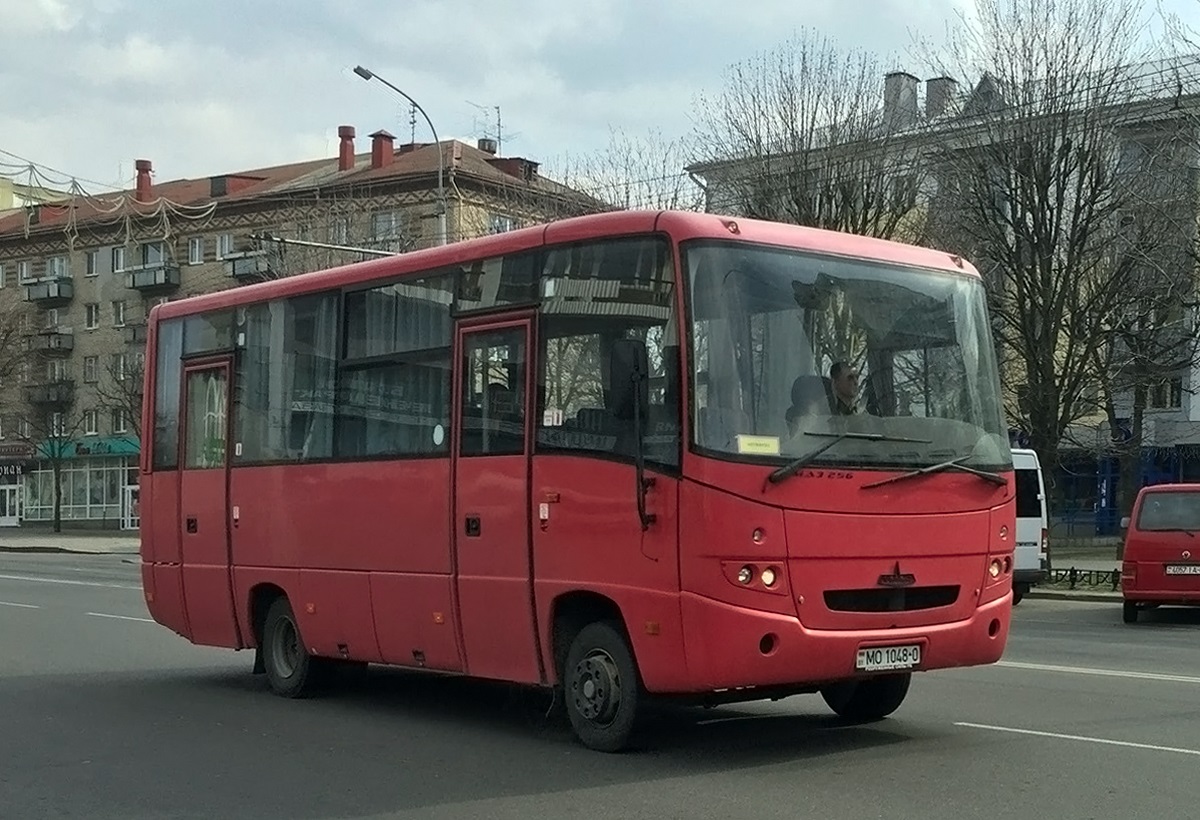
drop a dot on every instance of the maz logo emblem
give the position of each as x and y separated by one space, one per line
897 578
1187 554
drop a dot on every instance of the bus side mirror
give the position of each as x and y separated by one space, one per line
629 371
1125 523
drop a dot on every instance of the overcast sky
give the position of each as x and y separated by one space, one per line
200 88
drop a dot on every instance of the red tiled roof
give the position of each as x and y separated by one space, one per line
408 161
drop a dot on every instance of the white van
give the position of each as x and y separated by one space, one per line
1030 558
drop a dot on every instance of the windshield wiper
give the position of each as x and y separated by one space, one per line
952 464
790 469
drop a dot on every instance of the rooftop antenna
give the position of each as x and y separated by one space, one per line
499 133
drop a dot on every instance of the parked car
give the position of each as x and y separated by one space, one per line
1162 549
1031 556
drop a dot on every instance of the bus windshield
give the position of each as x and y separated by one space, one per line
789 348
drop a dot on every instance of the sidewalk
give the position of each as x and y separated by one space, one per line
21 539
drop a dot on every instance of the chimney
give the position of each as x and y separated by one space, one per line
383 149
899 100
346 150
487 145
144 169
938 93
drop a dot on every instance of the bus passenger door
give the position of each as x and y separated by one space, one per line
491 502
204 504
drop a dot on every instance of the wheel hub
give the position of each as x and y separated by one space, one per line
596 687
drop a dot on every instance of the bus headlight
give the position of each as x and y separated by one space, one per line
994 568
768 577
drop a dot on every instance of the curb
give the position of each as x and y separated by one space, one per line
1064 595
65 551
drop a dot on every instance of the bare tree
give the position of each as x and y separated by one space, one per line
121 390
1030 188
799 135
51 429
636 172
15 320
1153 345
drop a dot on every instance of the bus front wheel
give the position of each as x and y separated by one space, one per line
867 699
291 671
601 687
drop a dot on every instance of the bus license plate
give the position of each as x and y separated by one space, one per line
883 658
1183 569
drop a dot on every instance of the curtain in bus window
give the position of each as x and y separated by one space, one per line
409 315
395 408
168 371
204 439
285 380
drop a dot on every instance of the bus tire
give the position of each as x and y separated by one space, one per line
1019 592
1129 612
867 699
601 688
291 671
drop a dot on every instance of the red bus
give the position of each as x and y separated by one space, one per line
622 456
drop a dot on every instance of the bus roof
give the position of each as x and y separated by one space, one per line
681 225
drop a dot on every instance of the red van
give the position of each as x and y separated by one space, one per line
1162 549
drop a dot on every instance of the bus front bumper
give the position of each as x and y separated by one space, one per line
729 646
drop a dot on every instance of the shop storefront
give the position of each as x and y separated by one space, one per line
98 477
14 460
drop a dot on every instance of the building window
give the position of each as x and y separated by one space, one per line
1167 394
387 227
501 223
196 250
118 309
152 254
339 233
118 421
92 263
91 366
119 366
91 423
91 315
57 267
56 371
23 428
3 275
118 259
51 318
24 271
58 425
224 245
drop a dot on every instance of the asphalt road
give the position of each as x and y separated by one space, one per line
104 714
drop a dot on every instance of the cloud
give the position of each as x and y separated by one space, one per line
91 85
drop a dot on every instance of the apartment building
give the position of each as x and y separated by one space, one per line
78 276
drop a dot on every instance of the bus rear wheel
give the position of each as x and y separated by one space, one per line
867 699
291 671
601 687
1129 612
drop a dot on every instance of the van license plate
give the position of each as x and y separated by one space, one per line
1183 569
884 658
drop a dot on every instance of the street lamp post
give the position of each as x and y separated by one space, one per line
368 75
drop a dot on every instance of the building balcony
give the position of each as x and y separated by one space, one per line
52 342
50 293
157 277
249 266
135 334
56 393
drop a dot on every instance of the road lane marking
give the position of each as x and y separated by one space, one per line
121 617
67 582
1107 673
1082 738
22 606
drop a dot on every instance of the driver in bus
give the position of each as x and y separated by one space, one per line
845 389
